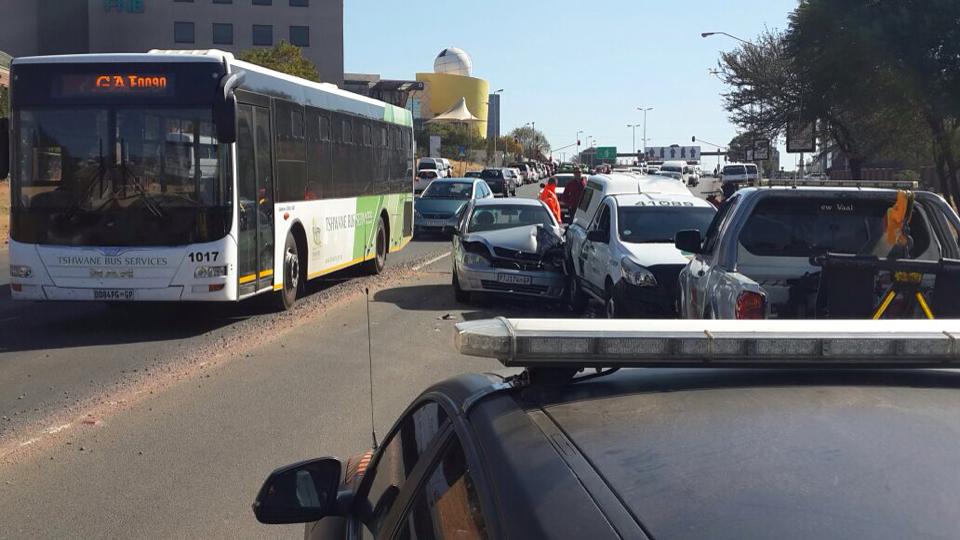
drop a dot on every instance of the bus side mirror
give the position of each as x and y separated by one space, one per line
4 147
225 108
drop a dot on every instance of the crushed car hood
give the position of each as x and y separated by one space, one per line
526 239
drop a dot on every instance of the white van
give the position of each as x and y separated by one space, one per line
735 172
686 171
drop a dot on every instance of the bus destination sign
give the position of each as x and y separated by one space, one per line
96 84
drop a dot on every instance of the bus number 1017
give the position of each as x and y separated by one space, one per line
204 256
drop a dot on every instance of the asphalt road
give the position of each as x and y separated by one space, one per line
186 460
56 356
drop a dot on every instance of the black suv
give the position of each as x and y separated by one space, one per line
497 181
766 433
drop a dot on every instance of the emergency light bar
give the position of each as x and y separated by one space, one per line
809 182
550 343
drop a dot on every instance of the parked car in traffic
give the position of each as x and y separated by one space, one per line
441 203
758 258
516 180
423 179
500 181
696 429
734 172
510 247
623 254
523 172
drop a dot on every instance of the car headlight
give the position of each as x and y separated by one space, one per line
20 271
635 274
475 259
205 272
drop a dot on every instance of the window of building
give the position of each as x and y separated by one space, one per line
300 36
222 34
263 2
183 32
299 3
263 35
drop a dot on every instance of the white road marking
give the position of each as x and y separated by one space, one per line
431 261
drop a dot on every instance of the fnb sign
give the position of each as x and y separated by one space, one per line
128 6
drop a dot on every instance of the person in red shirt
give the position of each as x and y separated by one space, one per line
549 196
573 192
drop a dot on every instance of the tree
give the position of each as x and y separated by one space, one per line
285 58
533 142
452 138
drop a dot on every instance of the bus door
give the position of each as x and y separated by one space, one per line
255 195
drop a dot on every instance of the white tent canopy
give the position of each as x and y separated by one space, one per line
458 113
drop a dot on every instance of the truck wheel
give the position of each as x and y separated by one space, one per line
375 265
575 296
292 274
460 295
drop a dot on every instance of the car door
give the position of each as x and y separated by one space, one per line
389 483
446 504
596 254
696 277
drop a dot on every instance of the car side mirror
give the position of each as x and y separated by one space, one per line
4 147
451 230
689 241
300 493
597 235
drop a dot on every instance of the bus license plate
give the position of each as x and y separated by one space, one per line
514 279
113 294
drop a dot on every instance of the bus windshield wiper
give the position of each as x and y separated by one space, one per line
137 184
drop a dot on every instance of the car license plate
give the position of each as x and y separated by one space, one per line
113 294
514 279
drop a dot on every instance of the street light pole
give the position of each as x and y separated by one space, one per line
497 134
708 34
644 110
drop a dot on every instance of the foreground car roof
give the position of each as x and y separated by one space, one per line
751 454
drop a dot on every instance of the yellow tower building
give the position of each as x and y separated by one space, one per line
452 80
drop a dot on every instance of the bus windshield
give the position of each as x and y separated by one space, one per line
118 176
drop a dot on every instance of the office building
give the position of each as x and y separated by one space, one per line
40 27
493 116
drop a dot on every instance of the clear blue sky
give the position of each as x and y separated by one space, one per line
573 65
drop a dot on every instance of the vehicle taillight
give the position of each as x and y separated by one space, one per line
750 305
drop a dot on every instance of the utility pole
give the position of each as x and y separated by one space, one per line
634 127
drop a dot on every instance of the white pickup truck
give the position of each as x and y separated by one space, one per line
620 246
754 261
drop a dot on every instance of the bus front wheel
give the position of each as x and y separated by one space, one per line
292 273
375 265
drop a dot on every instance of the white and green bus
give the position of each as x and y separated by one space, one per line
192 176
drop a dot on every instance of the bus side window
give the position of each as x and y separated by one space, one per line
291 152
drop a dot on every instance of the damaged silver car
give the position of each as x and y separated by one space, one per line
508 247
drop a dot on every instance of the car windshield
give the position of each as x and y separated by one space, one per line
793 227
427 165
648 225
734 169
448 190
102 176
672 168
492 173
508 216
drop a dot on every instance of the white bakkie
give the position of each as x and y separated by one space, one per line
621 248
